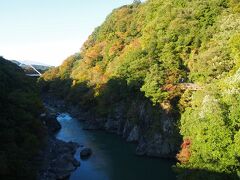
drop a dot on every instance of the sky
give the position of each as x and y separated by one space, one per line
48 31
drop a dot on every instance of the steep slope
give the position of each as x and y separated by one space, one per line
155 70
21 133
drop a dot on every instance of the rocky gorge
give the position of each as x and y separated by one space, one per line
105 154
57 157
152 144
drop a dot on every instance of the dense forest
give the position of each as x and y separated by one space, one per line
171 68
21 132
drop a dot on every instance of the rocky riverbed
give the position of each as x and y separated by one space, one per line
57 157
109 152
58 160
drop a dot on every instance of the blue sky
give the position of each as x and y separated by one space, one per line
48 31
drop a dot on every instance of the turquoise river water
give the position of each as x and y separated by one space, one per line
112 158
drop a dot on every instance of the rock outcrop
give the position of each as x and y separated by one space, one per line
49 119
162 142
58 160
85 153
156 146
134 134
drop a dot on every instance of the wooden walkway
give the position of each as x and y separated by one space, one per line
190 86
183 86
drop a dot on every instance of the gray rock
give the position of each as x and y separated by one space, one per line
49 176
94 124
43 115
142 147
63 164
127 129
121 127
111 124
51 122
134 135
59 160
86 153
158 146
76 163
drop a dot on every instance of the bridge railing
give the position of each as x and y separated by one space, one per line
38 74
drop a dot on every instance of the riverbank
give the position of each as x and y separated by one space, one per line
112 155
57 157
58 160
159 145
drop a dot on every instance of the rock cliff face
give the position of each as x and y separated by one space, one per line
156 134
162 142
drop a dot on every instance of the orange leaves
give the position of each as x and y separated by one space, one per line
135 43
116 48
51 74
95 51
169 87
97 75
184 154
121 35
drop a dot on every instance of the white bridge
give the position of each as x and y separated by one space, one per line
37 74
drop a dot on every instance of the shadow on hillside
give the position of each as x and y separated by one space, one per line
116 90
199 174
99 101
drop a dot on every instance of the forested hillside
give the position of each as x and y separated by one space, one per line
21 133
163 73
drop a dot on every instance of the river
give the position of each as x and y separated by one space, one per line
112 158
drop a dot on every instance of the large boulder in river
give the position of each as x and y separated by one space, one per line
85 153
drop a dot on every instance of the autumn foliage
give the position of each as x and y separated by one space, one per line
184 155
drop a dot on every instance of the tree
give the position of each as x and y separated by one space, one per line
153 84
